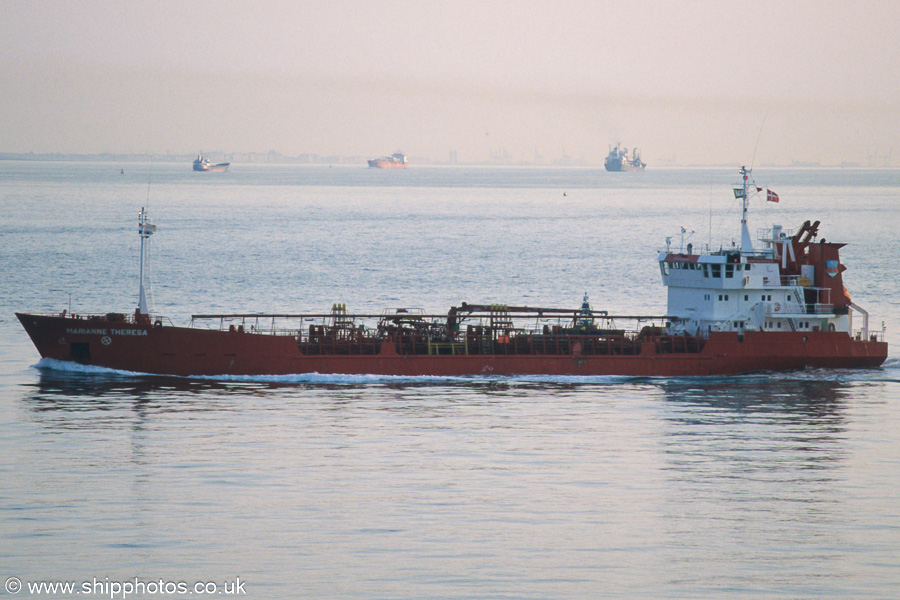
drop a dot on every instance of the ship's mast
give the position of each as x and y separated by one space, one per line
145 229
746 242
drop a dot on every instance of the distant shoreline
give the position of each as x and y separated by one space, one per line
259 158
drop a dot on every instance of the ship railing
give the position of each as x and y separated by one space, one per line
866 335
799 281
258 324
113 317
762 253
783 309
403 312
820 309
158 321
768 234
410 321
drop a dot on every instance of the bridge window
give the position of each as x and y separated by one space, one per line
716 271
729 271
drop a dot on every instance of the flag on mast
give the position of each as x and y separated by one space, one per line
771 196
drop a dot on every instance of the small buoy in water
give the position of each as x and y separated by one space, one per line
564 194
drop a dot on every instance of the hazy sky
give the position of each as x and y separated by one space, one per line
694 82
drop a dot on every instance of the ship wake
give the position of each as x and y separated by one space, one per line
888 371
66 366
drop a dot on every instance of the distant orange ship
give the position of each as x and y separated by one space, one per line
396 160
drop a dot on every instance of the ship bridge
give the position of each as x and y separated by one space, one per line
770 288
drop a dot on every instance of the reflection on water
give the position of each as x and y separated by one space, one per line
754 472
531 487
761 393
75 389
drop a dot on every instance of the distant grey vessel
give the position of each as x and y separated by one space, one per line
618 160
202 164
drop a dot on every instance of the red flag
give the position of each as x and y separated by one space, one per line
771 196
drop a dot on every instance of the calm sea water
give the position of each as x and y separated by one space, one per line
761 486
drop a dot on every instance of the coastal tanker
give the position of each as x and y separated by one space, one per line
775 306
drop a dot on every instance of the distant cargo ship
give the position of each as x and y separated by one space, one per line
618 160
202 164
396 160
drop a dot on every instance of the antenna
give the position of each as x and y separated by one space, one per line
746 242
149 175
759 135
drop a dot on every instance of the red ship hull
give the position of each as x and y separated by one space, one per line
182 351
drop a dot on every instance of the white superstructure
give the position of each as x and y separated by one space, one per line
788 283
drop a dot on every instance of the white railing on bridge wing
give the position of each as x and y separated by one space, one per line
767 234
821 309
784 308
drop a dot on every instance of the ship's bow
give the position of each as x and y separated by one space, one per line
47 333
